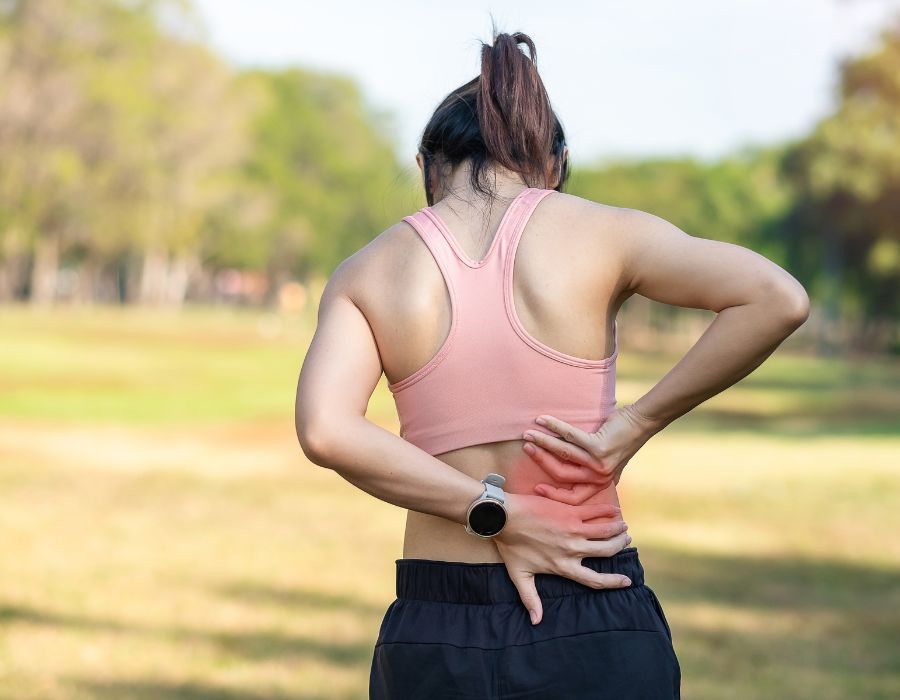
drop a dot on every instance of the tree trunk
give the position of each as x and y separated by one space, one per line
13 272
178 278
88 277
153 277
45 269
832 271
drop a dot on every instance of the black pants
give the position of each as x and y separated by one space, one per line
459 630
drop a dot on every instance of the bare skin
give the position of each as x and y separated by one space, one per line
386 311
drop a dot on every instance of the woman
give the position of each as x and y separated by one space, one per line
488 310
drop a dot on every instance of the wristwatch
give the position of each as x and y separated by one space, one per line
487 513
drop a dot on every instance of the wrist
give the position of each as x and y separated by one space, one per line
474 489
486 515
513 518
647 424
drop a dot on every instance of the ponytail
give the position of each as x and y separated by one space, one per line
513 108
501 117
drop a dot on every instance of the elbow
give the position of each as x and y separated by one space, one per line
314 446
799 309
313 441
791 304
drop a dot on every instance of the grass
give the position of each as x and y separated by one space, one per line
163 536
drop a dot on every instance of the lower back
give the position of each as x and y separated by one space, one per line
432 537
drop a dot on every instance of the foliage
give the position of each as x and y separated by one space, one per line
320 181
131 152
846 181
739 199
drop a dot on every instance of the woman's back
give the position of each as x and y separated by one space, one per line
474 353
566 282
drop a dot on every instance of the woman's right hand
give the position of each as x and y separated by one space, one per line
542 535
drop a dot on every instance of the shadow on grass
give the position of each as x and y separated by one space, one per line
772 583
833 420
259 645
838 623
162 690
10 614
842 620
811 397
298 598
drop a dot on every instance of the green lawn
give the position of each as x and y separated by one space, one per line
163 536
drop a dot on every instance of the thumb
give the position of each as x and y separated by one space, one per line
524 583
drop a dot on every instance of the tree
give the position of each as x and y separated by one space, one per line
114 137
846 176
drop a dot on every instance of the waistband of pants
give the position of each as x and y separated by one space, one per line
489 582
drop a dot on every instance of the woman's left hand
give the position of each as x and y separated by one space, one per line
582 483
590 462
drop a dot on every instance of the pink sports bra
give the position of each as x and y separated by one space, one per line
490 379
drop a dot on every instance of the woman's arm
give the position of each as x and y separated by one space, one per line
339 374
758 306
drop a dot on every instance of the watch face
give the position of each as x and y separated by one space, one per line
487 518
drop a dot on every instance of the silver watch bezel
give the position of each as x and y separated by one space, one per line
493 491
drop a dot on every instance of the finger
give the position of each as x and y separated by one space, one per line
566 451
603 530
589 511
574 496
595 579
556 468
524 583
568 432
605 547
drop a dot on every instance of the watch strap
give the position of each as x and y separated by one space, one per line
493 491
493 484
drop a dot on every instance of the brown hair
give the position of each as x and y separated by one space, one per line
502 116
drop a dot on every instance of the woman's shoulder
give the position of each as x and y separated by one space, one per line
592 225
585 222
376 264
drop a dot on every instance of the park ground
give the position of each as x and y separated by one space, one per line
163 535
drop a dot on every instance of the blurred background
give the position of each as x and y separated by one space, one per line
177 181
